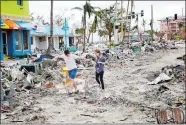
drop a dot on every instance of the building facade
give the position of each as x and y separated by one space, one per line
15 28
41 36
172 26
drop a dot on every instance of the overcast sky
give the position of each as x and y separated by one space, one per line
162 9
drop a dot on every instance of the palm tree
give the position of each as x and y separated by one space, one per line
51 28
104 16
93 28
87 8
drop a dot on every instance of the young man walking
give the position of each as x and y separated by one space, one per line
71 67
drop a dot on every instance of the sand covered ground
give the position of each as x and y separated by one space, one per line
127 97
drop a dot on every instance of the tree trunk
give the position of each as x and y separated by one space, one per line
125 25
88 37
130 21
84 41
110 36
51 28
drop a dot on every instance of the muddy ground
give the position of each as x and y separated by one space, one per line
127 97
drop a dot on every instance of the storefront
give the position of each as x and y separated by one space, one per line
41 38
15 38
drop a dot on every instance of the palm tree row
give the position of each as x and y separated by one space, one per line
102 21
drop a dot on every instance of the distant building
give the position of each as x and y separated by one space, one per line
15 28
41 36
172 25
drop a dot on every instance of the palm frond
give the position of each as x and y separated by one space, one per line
77 8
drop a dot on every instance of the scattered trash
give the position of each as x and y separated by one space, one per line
161 78
163 89
49 84
182 58
125 90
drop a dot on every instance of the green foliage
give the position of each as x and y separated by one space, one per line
102 33
178 37
180 25
79 31
9 77
105 16
113 45
94 25
87 9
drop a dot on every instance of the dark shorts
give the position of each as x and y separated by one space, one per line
72 73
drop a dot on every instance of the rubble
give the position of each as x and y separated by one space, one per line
161 78
37 93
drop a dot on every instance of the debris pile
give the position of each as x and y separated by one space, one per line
171 73
27 88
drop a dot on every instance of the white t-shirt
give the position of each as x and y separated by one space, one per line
70 61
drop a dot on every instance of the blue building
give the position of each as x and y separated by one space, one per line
15 28
15 38
40 38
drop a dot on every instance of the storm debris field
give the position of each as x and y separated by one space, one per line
146 81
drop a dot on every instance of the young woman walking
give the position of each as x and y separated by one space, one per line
100 62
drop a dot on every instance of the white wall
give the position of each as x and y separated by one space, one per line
56 42
33 46
75 40
38 44
44 44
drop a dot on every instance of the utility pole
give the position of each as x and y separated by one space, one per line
138 26
66 29
121 34
115 23
130 20
182 11
152 20
126 23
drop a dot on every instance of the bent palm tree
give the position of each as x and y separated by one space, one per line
87 8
